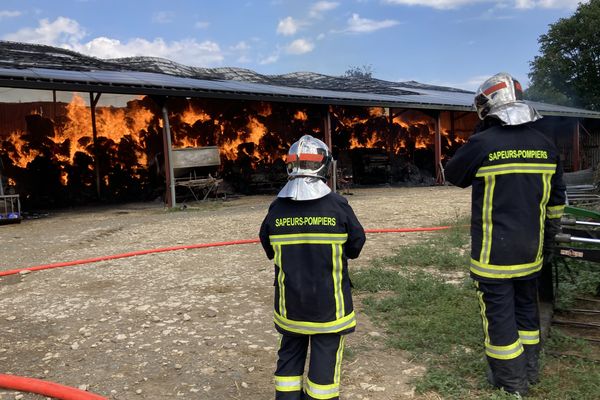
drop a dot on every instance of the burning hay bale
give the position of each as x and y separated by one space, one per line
52 158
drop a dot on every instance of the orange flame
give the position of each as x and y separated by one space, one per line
301 115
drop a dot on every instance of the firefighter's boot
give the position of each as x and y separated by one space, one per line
509 375
532 356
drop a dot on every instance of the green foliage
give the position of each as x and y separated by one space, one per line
575 278
568 69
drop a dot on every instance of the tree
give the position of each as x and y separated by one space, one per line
568 70
366 71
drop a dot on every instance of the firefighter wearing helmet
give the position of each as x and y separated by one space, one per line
310 232
518 197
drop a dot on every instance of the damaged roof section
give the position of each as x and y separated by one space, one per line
36 66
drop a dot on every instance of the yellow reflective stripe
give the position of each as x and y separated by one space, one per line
311 328
337 372
484 320
309 238
505 271
516 168
280 280
487 225
336 260
288 383
545 197
504 352
324 392
555 211
529 337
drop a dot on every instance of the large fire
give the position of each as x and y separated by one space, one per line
252 137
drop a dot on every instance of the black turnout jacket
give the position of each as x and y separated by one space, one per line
310 242
516 175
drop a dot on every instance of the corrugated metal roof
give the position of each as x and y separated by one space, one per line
44 67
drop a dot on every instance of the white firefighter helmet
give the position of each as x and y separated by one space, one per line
308 166
501 96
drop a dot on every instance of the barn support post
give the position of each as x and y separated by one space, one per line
439 172
391 138
93 103
329 143
54 105
576 161
170 179
452 133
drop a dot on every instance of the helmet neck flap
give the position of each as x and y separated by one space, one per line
304 188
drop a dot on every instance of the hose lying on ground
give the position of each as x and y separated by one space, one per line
49 389
55 390
187 247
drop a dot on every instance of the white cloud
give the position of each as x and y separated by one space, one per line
439 4
58 32
288 26
473 82
9 14
273 58
187 51
521 4
67 33
163 17
356 24
527 4
202 24
299 46
317 9
240 46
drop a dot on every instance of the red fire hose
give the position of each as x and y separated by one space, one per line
186 247
44 388
67 393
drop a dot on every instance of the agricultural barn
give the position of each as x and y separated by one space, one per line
76 129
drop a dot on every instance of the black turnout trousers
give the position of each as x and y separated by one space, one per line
323 378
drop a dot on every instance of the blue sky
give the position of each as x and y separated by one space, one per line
447 42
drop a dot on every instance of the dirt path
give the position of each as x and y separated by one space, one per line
193 324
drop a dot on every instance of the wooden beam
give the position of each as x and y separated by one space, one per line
328 142
93 103
576 161
439 173
170 179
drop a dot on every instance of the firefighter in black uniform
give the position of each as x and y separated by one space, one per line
311 232
518 197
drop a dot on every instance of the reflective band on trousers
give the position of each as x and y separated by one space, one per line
529 337
504 352
504 271
322 391
310 328
288 383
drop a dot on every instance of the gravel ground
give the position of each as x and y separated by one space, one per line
188 324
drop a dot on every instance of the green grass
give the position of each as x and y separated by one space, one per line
444 254
439 324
